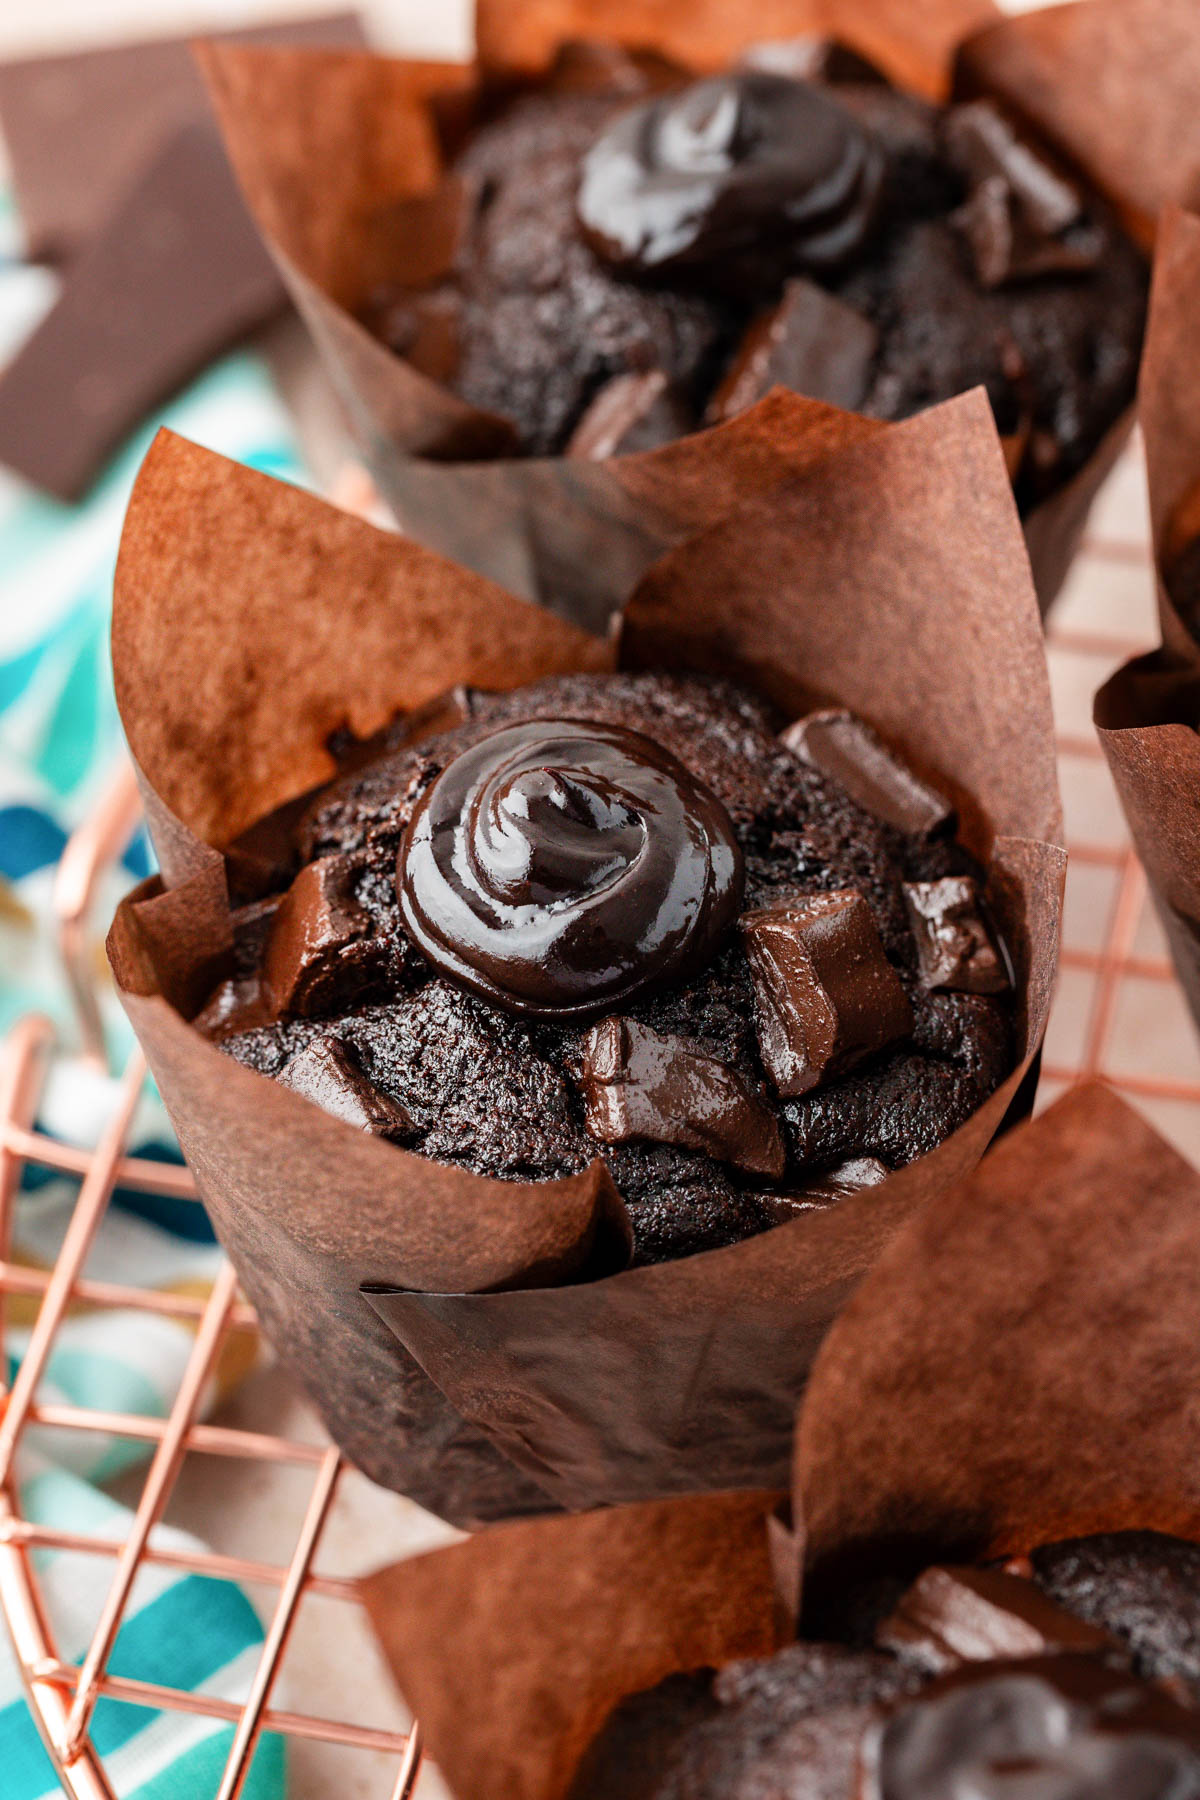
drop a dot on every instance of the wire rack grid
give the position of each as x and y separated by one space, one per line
1098 961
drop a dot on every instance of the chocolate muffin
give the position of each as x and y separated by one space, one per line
626 917
643 254
1069 1676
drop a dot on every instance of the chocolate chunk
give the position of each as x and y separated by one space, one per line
630 412
953 1615
177 274
984 146
80 127
825 994
1019 207
845 1178
638 1083
1004 247
318 918
846 749
811 342
954 946
325 1074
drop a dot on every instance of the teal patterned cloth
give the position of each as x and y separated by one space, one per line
59 739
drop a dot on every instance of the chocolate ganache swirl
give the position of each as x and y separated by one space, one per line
1051 1728
745 168
558 867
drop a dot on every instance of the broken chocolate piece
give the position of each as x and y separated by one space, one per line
317 918
810 342
845 1178
952 1615
825 994
79 126
630 412
178 273
954 946
325 1074
847 750
984 145
638 1083
1005 248
1019 207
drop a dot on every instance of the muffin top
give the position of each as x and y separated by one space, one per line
1071 1675
623 916
642 255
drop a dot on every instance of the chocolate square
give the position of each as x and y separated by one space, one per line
950 1616
954 946
316 920
326 1074
178 273
630 412
638 1083
810 342
825 993
847 750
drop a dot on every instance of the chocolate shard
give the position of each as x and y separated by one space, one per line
1019 208
984 145
326 1074
847 750
825 994
1005 248
79 126
845 1178
960 1615
955 949
810 342
638 1083
630 412
178 273
317 919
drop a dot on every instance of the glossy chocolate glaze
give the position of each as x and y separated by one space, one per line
748 166
1047 1728
559 867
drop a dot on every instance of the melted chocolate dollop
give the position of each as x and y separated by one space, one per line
1049 1728
749 167
558 867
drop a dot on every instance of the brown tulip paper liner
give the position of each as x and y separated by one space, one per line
1147 713
251 620
1059 1399
341 158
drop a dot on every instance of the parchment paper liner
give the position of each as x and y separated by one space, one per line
1147 713
251 619
1060 1398
333 149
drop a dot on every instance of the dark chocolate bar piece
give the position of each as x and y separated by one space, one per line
325 1074
951 1616
638 1083
825 994
954 946
177 275
810 342
630 412
79 128
317 918
846 749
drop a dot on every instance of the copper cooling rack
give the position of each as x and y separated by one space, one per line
1110 953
